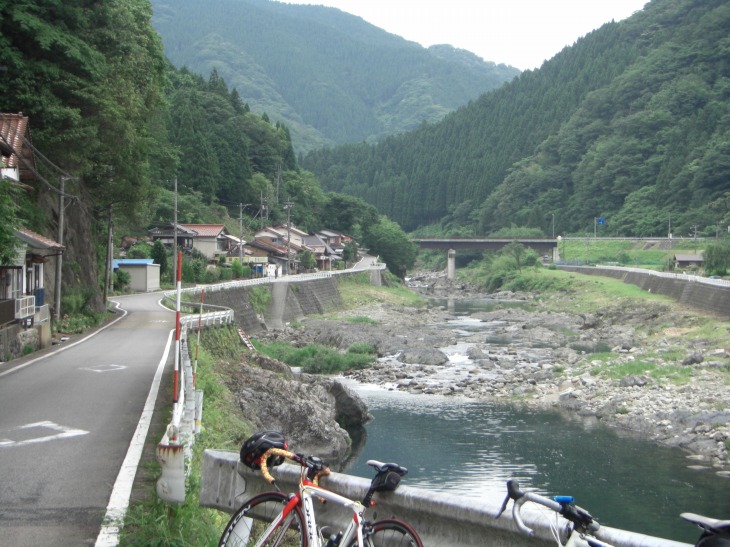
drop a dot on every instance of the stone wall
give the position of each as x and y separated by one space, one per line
711 298
14 340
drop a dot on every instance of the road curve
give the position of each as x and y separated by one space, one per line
67 418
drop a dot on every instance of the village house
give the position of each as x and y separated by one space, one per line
24 302
323 253
683 261
211 240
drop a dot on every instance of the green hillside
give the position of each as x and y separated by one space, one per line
631 124
331 77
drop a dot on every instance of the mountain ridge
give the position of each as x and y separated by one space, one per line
330 76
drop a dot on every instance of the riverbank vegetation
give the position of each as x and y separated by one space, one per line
319 359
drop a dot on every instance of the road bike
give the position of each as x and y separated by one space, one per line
582 528
277 519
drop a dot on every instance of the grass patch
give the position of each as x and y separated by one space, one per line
356 290
150 521
318 359
78 323
259 296
587 294
361 319
624 253
616 371
676 374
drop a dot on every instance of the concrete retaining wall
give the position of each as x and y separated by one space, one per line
684 289
289 302
443 520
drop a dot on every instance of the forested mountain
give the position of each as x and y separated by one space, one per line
111 118
329 76
631 124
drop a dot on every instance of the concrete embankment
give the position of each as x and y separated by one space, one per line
289 302
684 289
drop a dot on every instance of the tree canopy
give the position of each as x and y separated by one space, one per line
631 124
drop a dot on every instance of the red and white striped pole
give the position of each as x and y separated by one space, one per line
200 327
176 374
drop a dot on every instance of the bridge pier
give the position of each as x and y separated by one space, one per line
451 265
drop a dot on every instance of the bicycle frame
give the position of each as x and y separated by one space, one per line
305 498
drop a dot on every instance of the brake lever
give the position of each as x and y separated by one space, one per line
513 492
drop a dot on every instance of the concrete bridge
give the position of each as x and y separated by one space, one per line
451 245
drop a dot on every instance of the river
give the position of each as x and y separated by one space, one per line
467 447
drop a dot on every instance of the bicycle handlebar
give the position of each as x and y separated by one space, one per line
563 505
316 468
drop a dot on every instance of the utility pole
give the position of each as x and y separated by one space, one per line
108 273
174 237
264 209
59 258
278 181
288 205
240 233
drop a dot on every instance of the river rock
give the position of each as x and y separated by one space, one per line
308 410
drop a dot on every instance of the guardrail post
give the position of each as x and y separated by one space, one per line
171 455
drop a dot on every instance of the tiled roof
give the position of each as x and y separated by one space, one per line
13 127
205 230
266 246
33 239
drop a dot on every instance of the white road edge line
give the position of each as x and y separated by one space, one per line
119 499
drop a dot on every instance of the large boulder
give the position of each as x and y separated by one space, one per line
307 409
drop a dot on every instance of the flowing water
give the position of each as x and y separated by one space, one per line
467 447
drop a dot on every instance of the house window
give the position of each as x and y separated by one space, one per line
11 283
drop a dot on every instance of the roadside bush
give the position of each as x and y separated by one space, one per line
122 280
259 298
237 269
211 275
318 359
75 302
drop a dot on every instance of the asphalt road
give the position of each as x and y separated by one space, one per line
67 419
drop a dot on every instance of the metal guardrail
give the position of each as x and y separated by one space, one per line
668 275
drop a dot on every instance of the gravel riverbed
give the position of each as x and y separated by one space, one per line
644 368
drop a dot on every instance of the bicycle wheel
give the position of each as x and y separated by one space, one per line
390 533
248 524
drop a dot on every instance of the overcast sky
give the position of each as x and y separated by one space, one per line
521 33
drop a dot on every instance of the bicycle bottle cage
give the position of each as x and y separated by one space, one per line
254 447
386 482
